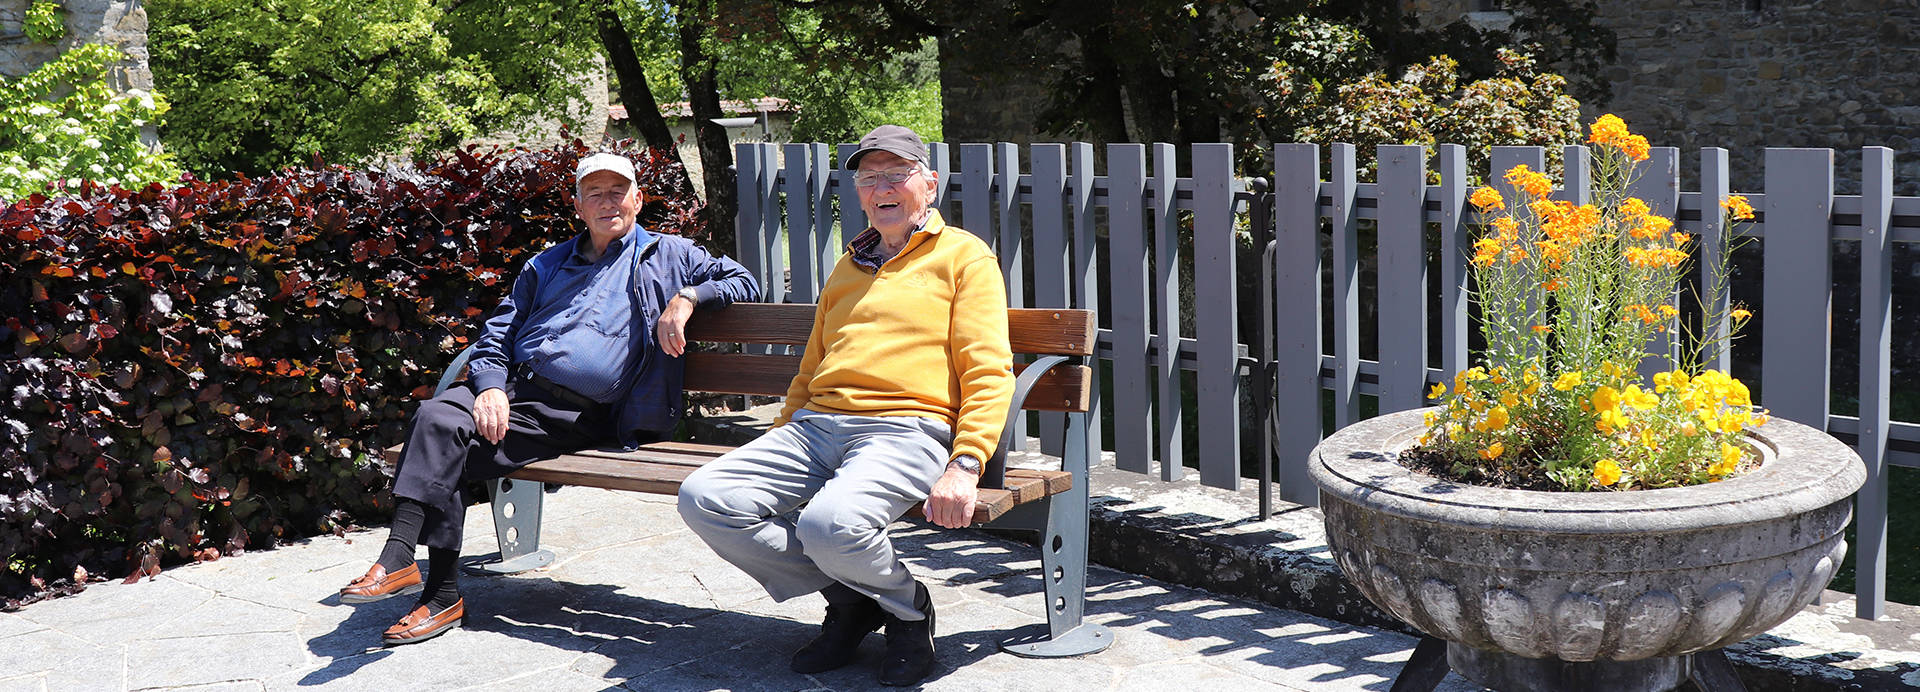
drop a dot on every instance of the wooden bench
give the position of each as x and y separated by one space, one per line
1053 503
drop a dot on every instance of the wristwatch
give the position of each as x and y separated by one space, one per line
965 462
691 295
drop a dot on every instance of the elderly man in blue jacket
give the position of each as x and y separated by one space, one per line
583 353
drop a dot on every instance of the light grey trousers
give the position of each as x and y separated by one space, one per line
854 474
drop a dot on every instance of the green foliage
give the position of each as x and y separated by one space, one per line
772 49
62 123
218 366
45 22
1518 106
261 84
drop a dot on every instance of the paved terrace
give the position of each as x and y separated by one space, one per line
636 602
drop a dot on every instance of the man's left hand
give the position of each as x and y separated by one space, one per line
671 331
951 502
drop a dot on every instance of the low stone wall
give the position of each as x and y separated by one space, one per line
119 23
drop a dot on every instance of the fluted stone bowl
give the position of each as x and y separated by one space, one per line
1589 576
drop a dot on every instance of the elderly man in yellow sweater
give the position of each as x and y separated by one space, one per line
903 390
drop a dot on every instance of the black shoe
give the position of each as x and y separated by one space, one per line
840 635
910 644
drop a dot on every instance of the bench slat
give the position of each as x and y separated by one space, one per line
1065 388
637 476
1042 331
689 448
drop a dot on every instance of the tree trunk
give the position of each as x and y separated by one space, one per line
698 71
642 110
1100 102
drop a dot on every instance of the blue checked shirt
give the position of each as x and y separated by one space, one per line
588 325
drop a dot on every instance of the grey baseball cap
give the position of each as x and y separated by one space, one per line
892 139
604 162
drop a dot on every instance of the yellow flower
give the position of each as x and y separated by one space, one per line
1741 313
1487 198
1612 419
1532 388
1668 311
1689 429
1612 370
1730 455
1606 472
1438 391
1567 381
1497 418
1432 417
1509 399
1541 328
1738 207
1606 399
1493 451
1639 398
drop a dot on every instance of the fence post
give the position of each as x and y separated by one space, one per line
1296 317
825 251
1166 294
1797 285
853 219
1876 347
942 164
746 221
1127 289
1217 315
1576 166
1402 275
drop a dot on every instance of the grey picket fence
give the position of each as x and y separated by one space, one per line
1046 211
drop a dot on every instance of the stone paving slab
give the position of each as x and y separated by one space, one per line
635 602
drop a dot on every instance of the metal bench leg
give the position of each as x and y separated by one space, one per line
516 526
1063 563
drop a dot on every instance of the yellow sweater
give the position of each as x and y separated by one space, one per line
924 336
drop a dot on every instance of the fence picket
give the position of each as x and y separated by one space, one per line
1576 166
775 288
1166 294
1343 181
853 219
941 162
1796 284
1216 324
1454 241
1876 348
1084 275
1006 203
976 190
1714 190
1127 251
747 224
1658 185
1050 258
825 250
1296 318
802 277
1403 275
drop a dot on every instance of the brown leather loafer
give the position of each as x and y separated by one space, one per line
420 625
377 584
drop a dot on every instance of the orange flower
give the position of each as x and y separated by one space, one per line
1738 207
1487 198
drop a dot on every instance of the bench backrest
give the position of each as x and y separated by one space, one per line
1030 331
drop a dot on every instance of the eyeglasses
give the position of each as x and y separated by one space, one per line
893 175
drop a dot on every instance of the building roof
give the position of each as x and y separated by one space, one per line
681 109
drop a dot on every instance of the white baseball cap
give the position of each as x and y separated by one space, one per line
604 162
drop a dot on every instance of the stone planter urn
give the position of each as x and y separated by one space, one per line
1620 591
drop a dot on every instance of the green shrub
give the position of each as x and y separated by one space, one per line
215 367
62 123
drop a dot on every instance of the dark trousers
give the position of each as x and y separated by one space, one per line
445 451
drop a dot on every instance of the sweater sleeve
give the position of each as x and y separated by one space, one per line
493 355
982 358
800 390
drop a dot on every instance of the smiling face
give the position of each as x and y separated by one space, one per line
608 203
895 208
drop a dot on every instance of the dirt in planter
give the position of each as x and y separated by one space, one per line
1523 474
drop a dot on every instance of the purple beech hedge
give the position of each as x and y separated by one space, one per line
195 371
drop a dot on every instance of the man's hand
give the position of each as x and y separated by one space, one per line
490 414
951 502
671 331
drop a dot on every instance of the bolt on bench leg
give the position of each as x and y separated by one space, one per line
516 527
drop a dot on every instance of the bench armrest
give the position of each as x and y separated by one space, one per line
994 473
452 374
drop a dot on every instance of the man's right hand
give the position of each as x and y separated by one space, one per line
490 414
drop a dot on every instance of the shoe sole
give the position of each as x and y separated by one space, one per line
462 622
357 598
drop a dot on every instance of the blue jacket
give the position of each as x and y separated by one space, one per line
662 264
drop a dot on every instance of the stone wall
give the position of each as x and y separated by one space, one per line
1842 74
1692 73
121 23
